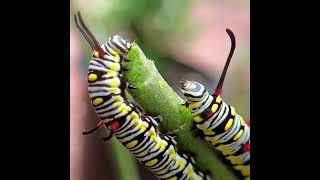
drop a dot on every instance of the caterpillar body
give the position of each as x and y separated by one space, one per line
219 123
125 120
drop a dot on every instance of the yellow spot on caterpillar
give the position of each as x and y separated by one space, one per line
115 58
122 108
181 164
114 83
245 170
233 111
139 125
214 108
132 144
228 125
158 144
208 131
190 171
115 90
142 126
112 73
92 77
113 52
135 120
173 178
163 146
224 150
118 99
239 134
97 101
152 134
96 54
152 162
178 162
234 160
172 154
197 119
218 100
115 67
142 129
134 117
194 105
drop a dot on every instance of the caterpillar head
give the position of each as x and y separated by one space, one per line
119 44
110 50
195 94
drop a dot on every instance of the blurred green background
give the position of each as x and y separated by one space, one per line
186 39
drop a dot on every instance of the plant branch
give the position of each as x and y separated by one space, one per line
156 97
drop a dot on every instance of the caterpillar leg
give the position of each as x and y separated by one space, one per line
125 59
196 132
157 118
130 86
99 126
184 103
125 68
207 174
194 128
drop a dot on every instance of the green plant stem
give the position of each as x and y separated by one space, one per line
156 97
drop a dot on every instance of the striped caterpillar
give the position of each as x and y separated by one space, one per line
126 120
219 123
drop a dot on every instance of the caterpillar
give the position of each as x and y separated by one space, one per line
218 122
126 120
